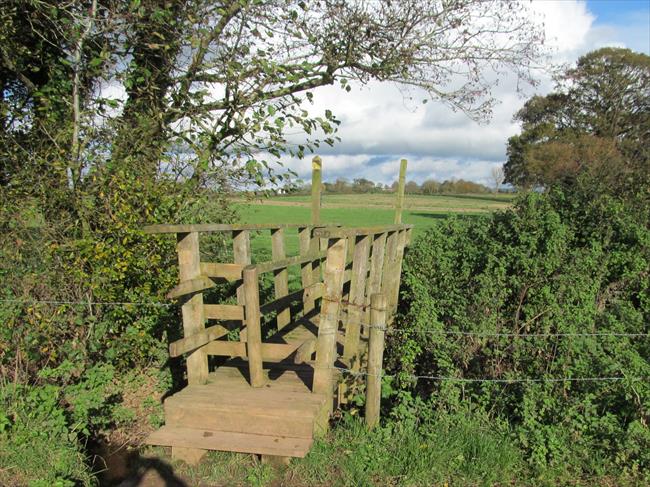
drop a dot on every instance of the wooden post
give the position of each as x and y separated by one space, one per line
281 276
389 276
253 326
189 265
308 273
241 248
316 182
393 299
329 317
399 203
357 296
375 358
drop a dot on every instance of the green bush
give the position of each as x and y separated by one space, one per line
561 264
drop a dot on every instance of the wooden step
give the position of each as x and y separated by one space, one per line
230 441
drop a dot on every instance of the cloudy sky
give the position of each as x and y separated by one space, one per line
379 126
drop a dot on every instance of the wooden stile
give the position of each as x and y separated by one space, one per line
375 358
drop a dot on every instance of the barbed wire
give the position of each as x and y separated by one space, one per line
487 379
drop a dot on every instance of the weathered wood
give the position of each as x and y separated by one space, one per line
274 265
223 312
281 276
270 351
329 315
230 441
393 299
399 202
316 182
216 227
342 232
253 326
189 268
376 268
305 351
197 340
229 272
308 273
388 273
190 286
357 296
241 249
375 358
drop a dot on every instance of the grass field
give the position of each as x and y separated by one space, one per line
362 210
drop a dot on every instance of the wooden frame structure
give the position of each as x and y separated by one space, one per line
276 382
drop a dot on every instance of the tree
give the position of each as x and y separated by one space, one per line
430 186
411 187
497 176
597 121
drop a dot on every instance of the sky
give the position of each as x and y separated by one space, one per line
379 126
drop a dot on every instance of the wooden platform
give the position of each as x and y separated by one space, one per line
228 414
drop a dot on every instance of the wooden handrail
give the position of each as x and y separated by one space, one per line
311 292
218 227
341 232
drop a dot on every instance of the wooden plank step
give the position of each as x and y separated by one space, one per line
229 441
245 421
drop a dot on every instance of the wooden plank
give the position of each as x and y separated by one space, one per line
305 351
308 273
388 272
375 358
329 315
274 265
279 424
399 202
197 340
316 183
270 351
216 227
393 299
189 268
190 286
230 441
342 232
241 249
376 268
229 272
280 276
253 326
357 297
223 311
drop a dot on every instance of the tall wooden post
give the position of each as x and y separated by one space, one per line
253 326
357 296
399 203
375 358
189 266
281 276
241 249
316 182
328 328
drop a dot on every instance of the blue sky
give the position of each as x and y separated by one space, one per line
379 126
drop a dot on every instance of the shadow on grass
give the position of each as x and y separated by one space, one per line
444 216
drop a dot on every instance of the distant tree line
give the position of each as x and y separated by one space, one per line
363 185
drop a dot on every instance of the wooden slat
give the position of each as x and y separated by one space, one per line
223 311
281 276
375 359
376 268
197 340
275 265
308 274
189 286
253 326
229 441
342 232
189 268
357 297
393 299
305 351
229 272
390 260
216 227
270 351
